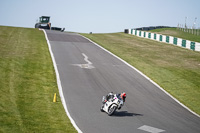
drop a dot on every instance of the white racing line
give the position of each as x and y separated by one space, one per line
88 65
151 129
59 84
86 59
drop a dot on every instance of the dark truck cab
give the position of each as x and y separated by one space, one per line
44 23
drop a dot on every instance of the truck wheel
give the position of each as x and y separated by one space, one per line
37 25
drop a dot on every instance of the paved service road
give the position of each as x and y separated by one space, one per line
87 73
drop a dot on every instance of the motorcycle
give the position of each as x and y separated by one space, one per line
111 105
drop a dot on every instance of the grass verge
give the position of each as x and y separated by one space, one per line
28 83
175 69
177 33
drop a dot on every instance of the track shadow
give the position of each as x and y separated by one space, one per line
125 114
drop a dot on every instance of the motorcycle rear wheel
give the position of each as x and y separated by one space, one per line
101 109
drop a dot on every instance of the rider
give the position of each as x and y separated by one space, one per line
111 95
122 96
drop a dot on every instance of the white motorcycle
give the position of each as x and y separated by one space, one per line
111 105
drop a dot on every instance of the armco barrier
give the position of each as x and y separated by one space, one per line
167 39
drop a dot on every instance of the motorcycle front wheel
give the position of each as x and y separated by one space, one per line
111 110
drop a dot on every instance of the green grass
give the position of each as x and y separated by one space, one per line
177 33
175 69
27 84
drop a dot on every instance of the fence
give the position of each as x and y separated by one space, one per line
189 29
167 39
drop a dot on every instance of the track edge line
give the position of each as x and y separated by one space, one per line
59 85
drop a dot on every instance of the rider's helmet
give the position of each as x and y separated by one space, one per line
123 96
111 93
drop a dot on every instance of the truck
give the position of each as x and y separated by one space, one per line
44 23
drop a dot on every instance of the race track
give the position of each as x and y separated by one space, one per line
88 72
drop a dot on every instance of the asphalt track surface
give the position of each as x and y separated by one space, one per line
87 73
